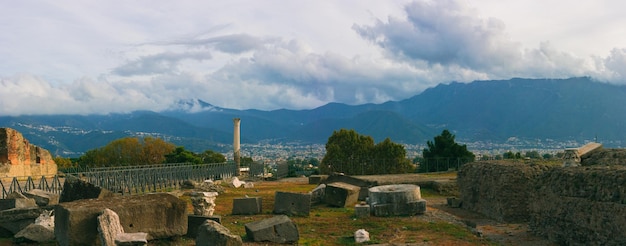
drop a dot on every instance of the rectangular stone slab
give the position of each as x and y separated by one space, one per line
161 215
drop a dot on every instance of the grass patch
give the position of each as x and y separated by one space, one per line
336 226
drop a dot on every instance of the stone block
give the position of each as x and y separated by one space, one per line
341 178
109 227
398 209
194 221
17 203
298 204
382 210
213 233
76 189
247 205
317 179
15 220
362 210
161 215
317 194
454 202
36 233
278 229
132 239
41 231
341 194
415 207
42 198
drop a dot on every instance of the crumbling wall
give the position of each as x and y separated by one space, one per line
580 206
604 157
20 158
499 190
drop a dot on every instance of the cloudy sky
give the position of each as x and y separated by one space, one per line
83 57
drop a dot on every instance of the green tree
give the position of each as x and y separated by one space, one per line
210 156
127 151
245 161
532 154
443 152
181 155
351 153
391 157
63 162
508 155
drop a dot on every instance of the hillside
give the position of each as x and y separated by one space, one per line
575 109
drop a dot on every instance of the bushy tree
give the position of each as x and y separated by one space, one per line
127 151
532 154
351 153
181 155
443 152
210 156
63 162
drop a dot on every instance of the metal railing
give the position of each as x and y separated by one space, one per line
24 184
152 178
441 164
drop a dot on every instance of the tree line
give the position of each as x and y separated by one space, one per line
132 151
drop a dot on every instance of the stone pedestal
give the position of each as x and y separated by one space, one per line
396 200
362 210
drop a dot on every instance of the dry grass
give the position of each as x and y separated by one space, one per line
336 226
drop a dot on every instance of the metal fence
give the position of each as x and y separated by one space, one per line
282 170
152 178
257 170
24 184
441 164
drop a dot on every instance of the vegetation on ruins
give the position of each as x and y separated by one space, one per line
444 147
354 154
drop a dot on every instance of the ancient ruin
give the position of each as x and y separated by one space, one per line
396 200
20 158
573 156
568 205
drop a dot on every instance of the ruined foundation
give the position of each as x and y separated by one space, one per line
396 200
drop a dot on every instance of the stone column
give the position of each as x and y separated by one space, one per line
236 144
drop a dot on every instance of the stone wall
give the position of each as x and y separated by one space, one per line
568 205
581 206
20 158
604 157
498 190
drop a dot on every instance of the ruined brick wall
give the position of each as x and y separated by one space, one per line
581 206
604 157
20 158
499 190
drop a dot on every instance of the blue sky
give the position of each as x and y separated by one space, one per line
85 57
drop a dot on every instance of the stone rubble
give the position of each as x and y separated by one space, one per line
203 203
41 231
361 236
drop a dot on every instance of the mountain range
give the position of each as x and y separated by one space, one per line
577 109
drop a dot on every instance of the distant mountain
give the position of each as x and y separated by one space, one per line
575 108
492 111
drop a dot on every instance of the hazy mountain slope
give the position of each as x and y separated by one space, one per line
557 109
375 123
533 108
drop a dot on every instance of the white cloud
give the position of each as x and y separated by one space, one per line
119 56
